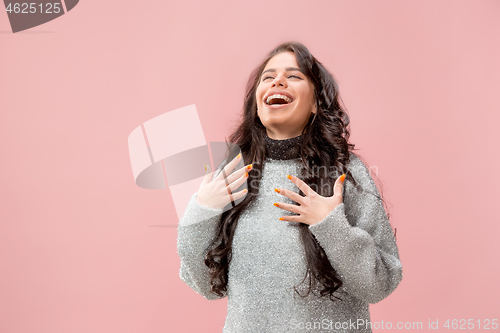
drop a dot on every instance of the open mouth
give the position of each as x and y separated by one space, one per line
278 100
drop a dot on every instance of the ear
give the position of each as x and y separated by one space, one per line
315 106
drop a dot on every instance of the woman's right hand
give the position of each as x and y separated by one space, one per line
214 194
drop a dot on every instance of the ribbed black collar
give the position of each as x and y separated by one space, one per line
283 149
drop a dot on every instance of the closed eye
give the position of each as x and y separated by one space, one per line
267 77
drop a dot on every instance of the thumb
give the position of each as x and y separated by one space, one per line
339 183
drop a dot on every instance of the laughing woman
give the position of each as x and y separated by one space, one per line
309 246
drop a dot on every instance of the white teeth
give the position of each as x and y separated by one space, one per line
278 96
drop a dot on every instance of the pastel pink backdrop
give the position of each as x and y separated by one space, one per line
83 249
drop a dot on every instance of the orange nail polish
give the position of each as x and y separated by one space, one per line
246 174
239 155
276 204
249 167
277 190
282 219
205 167
342 177
289 177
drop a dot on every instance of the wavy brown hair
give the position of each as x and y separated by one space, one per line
325 147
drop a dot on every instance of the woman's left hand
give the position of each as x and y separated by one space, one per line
313 207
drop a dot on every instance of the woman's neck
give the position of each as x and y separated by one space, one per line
281 135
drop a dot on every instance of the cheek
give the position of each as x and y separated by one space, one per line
306 99
258 92
258 97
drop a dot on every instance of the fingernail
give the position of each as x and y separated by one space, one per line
342 177
205 167
245 190
289 177
246 174
239 155
277 190
276 204
249 166
282 219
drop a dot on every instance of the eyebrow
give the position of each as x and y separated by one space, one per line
287 69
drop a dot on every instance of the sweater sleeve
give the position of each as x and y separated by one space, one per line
359 242
196 230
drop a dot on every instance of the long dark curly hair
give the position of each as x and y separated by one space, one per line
325 147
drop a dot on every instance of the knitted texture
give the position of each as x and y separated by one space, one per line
268 257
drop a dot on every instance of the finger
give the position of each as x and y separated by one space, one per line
237 174
237 183
301 184
229 167
240 194
292 195
337 187
208 175
291 218
288 207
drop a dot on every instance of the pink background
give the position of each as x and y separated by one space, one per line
84 249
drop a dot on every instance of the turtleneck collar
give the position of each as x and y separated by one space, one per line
283 149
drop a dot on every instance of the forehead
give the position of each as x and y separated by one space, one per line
282 60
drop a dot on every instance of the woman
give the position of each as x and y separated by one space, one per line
312 212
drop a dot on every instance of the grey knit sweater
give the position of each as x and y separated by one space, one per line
268 258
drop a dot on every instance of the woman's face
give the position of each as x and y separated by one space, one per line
282 76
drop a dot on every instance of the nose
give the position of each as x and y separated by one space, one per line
278 81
